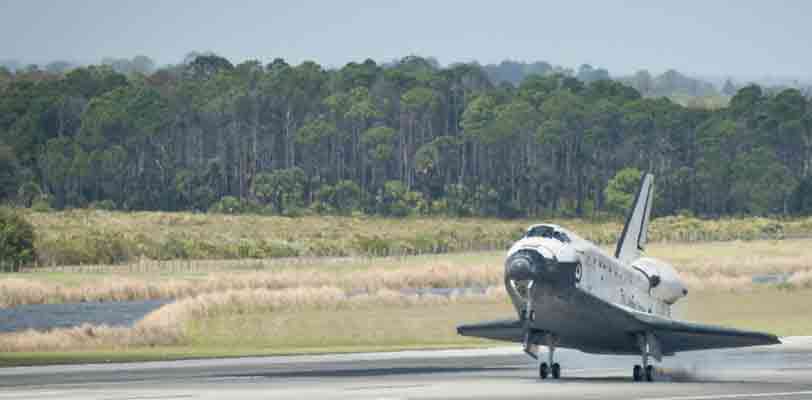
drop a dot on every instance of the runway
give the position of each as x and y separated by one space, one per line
776 372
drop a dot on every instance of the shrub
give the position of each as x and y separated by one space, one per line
41 205
295 212
107 205
374 246
277 248
16 240
397 201
28 193
233 205
227 205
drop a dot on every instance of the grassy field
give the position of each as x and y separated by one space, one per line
367 327
101 237
318 305
713 266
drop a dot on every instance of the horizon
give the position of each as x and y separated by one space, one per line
742 40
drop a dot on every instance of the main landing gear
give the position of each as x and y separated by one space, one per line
545 370
643 373
649 346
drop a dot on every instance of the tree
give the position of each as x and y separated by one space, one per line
143 65
728 89
588 74
621 190
282 188
207 66
396 200
344 197
57 67
9 170
643 82
16 240
206 131
378 144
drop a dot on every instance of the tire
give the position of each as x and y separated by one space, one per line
544 371
650 373
556 371
637 373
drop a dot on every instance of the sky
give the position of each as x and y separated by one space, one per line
751 38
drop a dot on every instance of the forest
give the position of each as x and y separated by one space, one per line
395 139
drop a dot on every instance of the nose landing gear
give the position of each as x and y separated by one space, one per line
550 368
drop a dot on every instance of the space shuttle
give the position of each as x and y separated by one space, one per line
569 293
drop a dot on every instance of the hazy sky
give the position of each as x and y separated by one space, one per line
741 37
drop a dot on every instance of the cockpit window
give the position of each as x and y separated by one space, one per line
561 236
547 232
541 231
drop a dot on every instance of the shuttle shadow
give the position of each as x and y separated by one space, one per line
663 379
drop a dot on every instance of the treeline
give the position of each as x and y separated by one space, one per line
669 83
408 137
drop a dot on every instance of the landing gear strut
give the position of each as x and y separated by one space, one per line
649 346
550 367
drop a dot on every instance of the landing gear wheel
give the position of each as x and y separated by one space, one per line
638 373
544 371
650 373
556 371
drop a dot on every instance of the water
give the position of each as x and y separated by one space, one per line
772 279
49 316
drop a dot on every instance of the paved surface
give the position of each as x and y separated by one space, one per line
776 372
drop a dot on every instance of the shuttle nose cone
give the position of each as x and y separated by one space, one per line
526 265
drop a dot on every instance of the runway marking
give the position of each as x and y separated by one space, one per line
733 396
379 387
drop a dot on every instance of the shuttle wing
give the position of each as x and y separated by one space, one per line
676 336
506 330
633 239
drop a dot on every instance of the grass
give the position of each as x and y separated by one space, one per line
308 305
175 323
713 266
416 326
228 328
783 312
100 237
457 270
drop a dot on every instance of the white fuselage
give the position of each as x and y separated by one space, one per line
607 278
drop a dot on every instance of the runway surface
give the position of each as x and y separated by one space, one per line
775 372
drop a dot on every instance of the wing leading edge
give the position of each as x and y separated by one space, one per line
505 330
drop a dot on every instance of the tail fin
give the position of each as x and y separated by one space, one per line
633 239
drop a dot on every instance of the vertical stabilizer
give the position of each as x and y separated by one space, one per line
633 239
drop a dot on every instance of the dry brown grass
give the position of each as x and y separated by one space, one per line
714 266
724 266
392 275
90 337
